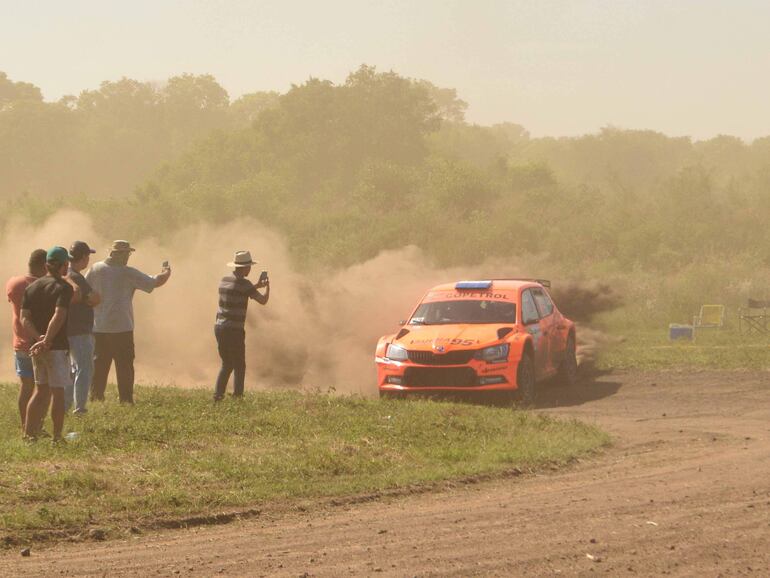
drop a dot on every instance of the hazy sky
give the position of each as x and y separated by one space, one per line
684 67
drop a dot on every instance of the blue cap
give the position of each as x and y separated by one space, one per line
57 256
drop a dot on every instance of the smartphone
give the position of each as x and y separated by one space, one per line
262 279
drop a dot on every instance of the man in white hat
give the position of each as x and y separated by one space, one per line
234 294
116 282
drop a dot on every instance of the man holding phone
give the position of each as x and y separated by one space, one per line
116 282
234 294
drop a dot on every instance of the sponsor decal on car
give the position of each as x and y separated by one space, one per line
447 340
447 295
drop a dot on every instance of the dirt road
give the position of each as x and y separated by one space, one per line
684 492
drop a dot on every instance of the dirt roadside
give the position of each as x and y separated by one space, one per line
684 492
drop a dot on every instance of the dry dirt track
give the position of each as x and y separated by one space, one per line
684 492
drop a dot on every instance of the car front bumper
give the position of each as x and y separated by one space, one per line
477 375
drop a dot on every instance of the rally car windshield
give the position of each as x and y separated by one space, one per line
465 311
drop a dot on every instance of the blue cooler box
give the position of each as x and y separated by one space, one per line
676 331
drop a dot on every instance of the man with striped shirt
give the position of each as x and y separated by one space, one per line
234 294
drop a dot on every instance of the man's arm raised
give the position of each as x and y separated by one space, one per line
259 297
162 279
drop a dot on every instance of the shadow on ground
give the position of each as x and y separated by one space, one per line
593 385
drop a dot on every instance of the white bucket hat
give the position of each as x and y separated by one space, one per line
242 259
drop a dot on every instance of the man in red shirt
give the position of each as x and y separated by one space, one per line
14 289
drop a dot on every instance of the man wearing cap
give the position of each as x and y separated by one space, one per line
14 290
44 316
116 282
80 327
234 294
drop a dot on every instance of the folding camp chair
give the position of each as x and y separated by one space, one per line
710 316
755 317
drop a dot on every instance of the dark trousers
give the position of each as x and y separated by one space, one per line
232 349
120 347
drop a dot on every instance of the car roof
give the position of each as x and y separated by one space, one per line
501 284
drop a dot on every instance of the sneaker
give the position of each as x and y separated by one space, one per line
79 411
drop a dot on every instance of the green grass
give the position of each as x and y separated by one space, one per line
176 454
712 349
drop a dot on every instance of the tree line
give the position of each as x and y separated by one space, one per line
345 170
104 142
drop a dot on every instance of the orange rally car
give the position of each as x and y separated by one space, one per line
499 335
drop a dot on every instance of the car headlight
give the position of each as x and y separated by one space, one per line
396 353
494 354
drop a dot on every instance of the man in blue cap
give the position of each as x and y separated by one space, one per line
80 328
44 316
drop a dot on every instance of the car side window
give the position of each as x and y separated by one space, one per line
544 303
528 308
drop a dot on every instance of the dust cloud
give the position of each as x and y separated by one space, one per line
317 332
581 302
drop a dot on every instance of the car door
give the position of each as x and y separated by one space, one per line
530 318
548 327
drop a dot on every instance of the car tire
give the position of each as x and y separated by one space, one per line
525 380
568 370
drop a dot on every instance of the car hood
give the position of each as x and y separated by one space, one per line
450 337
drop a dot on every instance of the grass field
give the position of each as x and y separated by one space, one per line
712 349
176 454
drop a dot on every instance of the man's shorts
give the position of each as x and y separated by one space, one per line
23 364
52 368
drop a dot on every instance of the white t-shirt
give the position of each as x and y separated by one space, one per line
116 285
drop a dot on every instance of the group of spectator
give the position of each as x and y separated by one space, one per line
69 327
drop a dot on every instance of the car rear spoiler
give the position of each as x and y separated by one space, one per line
544 282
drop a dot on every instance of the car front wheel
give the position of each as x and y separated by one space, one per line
525 380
